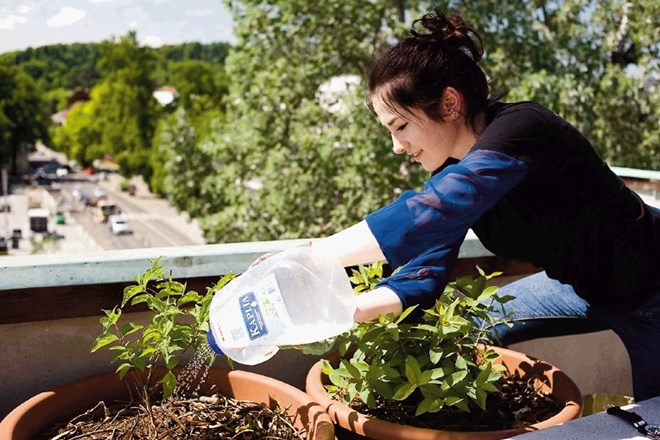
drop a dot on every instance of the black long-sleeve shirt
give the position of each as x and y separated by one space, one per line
532 188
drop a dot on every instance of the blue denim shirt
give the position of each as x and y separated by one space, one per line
423 231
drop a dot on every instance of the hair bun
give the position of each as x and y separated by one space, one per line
448 31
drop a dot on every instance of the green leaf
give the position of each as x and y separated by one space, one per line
478 287
435 355
129 328
123 369
423 406
455 378
453 400
352 370
368 398
169 384
384 389
405 313
413 371
338 379
427 328
404 391
463 281
426 377
505 298
480 398
438 373
461 363
484 374
190 297
142 298
103 340
389 371
130 292
111 318
326 367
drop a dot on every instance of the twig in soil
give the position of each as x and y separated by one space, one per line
90 411
98 431
64 434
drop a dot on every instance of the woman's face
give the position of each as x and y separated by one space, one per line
426 141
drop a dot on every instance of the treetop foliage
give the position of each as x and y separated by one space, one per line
291 168
257 148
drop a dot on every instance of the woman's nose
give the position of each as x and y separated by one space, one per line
398 146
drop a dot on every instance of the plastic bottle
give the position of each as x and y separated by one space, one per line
295 297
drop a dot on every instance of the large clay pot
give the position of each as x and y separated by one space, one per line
357 425
40 412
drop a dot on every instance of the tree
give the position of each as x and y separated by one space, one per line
287 167
201 85
177 159
129 111
181 161
594 63
23 119
122 114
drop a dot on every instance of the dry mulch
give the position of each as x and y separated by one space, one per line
199 418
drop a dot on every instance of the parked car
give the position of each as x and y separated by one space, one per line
118 225
105 209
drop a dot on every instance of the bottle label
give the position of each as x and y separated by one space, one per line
253 315
254 321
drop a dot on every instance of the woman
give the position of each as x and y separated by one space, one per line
529 185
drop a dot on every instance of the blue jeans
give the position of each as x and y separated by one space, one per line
545 307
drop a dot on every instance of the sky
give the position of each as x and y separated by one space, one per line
33 23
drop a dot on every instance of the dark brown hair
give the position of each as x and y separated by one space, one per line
414 73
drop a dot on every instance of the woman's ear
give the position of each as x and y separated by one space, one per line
451 103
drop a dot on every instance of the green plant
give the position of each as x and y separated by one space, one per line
179 322
365 277
439 361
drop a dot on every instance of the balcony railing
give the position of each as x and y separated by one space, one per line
50 305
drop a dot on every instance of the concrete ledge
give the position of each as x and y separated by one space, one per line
112 266
120 266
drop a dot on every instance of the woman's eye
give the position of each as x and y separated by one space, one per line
402 127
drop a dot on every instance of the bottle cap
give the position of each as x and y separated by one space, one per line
214 345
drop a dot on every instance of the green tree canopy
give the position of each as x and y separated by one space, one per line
23 120
121 116
286 166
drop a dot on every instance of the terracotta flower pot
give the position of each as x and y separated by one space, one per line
40 412
559 386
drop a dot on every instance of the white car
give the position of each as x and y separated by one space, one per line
118 225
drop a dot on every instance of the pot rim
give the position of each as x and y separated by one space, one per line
562 389
35 414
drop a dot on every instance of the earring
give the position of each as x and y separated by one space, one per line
453 114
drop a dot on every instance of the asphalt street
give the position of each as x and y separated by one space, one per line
155 223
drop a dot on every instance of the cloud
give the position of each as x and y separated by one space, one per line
100 1
198 12
152 41
24 9
10 22
66 17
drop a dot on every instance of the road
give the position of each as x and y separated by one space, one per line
153 221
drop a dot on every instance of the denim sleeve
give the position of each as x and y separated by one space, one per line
423 231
